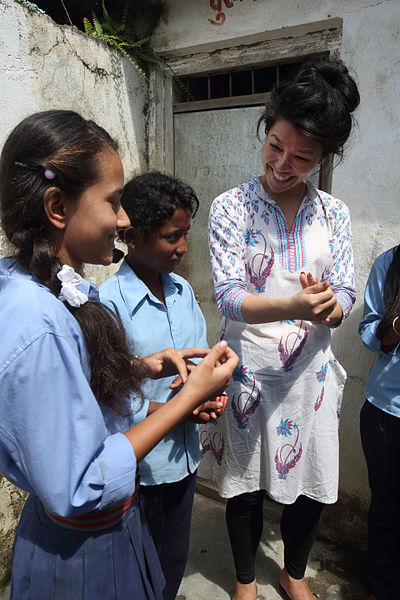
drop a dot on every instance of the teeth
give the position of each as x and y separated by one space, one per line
279 178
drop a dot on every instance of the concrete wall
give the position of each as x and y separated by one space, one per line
45 66
367 180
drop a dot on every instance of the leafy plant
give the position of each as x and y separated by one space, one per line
123 37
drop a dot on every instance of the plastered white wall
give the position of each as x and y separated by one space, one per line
368 178
45 66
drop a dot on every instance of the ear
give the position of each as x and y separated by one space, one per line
54 207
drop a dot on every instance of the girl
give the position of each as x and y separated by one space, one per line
66 372
158 307
380 423
280 433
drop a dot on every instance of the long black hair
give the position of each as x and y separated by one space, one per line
392 294
318 101
69 146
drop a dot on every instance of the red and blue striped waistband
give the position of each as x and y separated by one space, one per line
96 520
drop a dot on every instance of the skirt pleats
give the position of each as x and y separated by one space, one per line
54 563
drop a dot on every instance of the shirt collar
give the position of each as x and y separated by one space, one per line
134 290
10 266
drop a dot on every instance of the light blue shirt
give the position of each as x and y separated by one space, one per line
54 440
152 326
383 387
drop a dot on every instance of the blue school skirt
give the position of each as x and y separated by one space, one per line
51 562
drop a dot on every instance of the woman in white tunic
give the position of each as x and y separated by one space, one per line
283 271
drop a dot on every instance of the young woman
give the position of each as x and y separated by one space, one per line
283 270
157 308
380 423
66 372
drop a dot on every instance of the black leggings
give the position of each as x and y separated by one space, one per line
299 526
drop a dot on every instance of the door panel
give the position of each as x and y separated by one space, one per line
214 151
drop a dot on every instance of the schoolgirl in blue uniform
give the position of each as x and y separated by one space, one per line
157 307
67 375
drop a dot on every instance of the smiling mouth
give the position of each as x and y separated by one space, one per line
279 177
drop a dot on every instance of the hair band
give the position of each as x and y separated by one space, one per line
186 225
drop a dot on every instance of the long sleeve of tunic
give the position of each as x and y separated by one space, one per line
54 441
248 240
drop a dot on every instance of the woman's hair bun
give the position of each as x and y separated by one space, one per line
318 100
336 75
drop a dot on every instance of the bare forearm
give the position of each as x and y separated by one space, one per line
256 309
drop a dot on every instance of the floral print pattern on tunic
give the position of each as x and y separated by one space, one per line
286 370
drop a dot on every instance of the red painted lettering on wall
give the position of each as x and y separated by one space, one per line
217 6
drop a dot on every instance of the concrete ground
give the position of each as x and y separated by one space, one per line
332 573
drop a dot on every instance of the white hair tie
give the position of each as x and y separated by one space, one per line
69 291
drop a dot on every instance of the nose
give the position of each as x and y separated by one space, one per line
123 220
182 246
283 162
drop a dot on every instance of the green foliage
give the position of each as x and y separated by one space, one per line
122 35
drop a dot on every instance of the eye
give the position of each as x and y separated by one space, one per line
302 158
115 203
275 147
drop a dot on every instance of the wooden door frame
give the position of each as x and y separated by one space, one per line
285 45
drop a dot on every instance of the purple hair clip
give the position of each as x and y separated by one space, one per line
49 174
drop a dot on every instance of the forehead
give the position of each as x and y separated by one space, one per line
286 134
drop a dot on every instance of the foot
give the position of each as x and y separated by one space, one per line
245 591
296 589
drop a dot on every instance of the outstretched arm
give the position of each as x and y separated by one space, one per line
209 378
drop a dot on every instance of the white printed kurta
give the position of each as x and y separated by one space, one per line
280 429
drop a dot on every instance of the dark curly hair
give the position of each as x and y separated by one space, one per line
68 145
151 199
318 101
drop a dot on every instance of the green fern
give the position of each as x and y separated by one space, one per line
122 35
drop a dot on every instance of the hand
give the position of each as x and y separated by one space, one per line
209 410
315 302
212 375
169 361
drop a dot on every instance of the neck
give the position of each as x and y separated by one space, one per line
293 197
149 277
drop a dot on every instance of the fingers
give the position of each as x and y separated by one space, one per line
303 280
307 280
194 352
177 382
222 356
